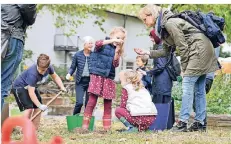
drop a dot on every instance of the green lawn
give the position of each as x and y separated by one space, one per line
57 126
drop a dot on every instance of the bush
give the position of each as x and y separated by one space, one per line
218 99
61 71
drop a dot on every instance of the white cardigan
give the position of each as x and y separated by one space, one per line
139 102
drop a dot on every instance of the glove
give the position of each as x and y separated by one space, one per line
43 107
208 85
63 89
68 76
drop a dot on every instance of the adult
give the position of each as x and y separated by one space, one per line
208 84
81 62
197 59
15 18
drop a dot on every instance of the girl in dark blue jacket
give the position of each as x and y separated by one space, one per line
162 83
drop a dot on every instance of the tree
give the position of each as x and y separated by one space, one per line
222 10
73 15
69 12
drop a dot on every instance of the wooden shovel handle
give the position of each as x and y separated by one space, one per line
53 99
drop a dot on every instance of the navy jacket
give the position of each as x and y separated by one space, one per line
102 61
162 83
78 62
147 81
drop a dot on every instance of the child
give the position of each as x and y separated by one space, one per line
102 73
25 87
81 61
141 62
136 111
162 83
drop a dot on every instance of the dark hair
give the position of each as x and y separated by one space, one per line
43 61
144 59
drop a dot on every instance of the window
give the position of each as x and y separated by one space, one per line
129 65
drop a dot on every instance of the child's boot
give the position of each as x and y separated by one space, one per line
107 122
85 126
130 127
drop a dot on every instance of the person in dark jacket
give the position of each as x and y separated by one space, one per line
161 83
197 59
141 62
81 62
15 18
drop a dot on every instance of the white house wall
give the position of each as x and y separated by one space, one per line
41 36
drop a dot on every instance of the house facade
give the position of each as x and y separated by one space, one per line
44 37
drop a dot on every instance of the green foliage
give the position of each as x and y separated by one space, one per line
218 99
72 15
61 71
222 10
224 54
27 54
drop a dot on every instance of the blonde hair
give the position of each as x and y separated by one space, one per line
149 9
134 78
119 29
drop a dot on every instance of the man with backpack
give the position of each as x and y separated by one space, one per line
15 18
197 59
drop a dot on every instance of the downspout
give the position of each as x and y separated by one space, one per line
125 19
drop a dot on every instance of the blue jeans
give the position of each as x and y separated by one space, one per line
190 85
9 65
81 89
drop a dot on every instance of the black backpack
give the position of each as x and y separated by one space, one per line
172 66
210 24
28 12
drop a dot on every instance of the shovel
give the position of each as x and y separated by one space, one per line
52 100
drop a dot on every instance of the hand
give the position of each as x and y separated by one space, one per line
141 51
141 71
63 89
118 41
43 107
68 76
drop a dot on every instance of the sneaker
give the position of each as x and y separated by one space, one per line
131 130
180 127
197 126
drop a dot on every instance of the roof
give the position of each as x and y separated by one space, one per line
120 13
123 9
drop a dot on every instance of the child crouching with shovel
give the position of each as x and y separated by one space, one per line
25 87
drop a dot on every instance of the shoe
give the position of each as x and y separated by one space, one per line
131 130
180 127
197 126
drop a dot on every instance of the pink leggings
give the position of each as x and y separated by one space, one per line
141 122
107 110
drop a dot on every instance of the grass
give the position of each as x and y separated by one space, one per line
51 127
